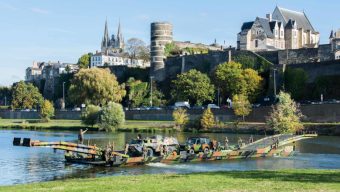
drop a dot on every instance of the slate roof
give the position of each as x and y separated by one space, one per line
266 26
247 25
299 17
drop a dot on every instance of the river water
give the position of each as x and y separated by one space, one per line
24 165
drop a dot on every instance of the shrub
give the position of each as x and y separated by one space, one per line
207 120
91 115
47 110
181 118
112 116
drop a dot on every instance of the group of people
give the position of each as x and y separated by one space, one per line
239 142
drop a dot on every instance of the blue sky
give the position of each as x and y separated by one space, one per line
62 30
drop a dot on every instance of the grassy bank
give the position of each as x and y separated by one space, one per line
130 126
283 180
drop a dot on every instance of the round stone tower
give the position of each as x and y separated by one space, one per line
161 34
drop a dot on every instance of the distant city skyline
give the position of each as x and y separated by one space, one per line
38 30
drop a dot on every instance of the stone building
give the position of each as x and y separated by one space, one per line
283 29
334 40
115 44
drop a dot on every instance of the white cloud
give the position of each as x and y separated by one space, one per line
40 11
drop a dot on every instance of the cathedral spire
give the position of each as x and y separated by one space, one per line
106 38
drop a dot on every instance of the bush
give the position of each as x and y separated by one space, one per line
47 110
207 120
112 116
91 115
181 118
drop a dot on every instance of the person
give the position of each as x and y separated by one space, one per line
139 137
240 142
81 136
251 139
226 141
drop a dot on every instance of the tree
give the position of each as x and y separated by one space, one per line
84 61
157 96
171 49
241 105
91 115
180 117
232 80
207 120
285 116
112 116
193 86
137 91
95 86
295 82
136 49
5 95
47 111
25 96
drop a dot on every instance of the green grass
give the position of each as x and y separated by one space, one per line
76 124
283 180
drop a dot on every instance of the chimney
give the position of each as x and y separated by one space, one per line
269 16
96 51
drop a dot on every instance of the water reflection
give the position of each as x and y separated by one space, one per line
24 165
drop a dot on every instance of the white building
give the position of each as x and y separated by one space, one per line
115 59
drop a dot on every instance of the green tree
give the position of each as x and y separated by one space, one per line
91 115
207 120
46 111
84 61
295 82
193 86
112 116
5 95
171 49
157 96
25 96
241 105
137 91
285 117
232 80
95 86
180 117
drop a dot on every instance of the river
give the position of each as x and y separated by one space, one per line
25 165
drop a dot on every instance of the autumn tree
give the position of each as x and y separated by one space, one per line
46 111
241 105
232 79
95 86
84 61
180 117
285 116
136 49
25 96
207 120
193 86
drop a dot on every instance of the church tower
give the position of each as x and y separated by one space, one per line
120 39
106 39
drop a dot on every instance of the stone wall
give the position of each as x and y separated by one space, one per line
35 115
315 70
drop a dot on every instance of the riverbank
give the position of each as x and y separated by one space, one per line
164 126
281 180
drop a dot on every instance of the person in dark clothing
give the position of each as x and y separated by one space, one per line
81 136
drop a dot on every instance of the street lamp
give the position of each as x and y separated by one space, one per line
274 71
63 95
151 77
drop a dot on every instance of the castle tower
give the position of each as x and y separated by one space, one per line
161 34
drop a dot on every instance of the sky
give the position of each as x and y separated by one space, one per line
63 30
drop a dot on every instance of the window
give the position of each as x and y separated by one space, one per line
256 43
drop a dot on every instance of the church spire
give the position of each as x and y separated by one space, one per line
106 38
120 40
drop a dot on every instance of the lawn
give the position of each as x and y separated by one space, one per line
76 124
283 180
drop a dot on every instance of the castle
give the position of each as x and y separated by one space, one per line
283 29
115 44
